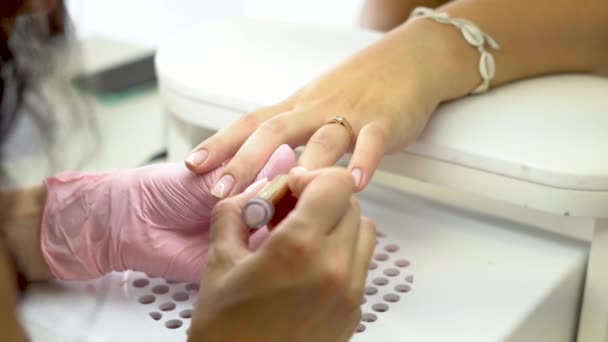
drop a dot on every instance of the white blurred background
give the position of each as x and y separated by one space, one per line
149 22
115 31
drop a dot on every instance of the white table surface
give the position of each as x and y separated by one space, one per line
474 278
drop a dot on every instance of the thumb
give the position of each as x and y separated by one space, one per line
299 177
228 231
229 235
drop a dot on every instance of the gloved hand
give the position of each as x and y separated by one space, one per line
153 219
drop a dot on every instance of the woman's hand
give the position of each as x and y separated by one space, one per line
386 92
306 280
153 219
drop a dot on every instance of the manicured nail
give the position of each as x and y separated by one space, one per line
197 158
299 170
256 185
357 174
223 186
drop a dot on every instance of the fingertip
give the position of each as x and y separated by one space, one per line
298 171
361 177
357 175
368 222
297 180
196 160
189 166
280 162
223 187
199 170
368 152
287 155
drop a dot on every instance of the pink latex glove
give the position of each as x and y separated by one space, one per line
153 219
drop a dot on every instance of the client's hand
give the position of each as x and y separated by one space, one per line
304 283
386 92
153 219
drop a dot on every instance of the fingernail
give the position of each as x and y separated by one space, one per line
196 158
357 174
299 170
223 186
256 185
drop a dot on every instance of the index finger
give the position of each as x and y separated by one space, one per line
224 144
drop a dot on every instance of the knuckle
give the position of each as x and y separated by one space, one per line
244 166
377 132
272 127
295 255
340 177
221 258
408 131
222 208
335 276
250 121
324 140
298 247
337 174
241 167
218 141
213 258
217 258
226 252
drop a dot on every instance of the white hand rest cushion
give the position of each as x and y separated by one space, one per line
550 130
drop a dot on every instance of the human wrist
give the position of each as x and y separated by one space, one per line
76 232
21 224
450 64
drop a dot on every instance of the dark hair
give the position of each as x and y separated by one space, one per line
12 82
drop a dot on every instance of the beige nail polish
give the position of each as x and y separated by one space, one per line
223 187
197 158
357 174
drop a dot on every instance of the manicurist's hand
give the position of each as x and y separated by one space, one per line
304 283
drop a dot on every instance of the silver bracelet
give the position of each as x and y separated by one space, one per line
474 36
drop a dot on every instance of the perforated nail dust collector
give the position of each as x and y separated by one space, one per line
489 226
